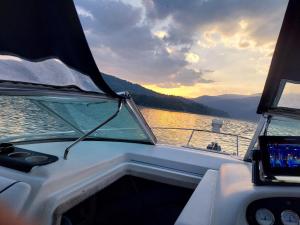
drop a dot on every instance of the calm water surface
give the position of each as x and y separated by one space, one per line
161 118
19 116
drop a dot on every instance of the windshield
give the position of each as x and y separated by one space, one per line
283 126
27 118
289 98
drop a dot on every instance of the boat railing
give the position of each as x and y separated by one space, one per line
238 138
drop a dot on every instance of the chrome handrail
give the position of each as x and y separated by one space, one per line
193 130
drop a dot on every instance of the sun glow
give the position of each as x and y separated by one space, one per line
188 49
243 24
217 88
160 34
192 57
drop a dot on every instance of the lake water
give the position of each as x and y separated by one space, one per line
168 119
19 116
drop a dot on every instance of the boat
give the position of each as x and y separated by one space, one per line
214 146
96 161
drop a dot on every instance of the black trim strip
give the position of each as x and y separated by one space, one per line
12 184
285 62
73 139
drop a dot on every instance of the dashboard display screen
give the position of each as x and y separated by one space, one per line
280 155
284 155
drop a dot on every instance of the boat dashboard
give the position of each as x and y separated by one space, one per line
50 192
275 210
229 197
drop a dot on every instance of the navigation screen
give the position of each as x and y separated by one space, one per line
284 155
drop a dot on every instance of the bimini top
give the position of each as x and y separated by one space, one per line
46 31
285 66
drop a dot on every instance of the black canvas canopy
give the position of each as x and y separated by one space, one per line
37 30
286 59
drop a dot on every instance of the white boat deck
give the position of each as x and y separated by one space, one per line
48 191
93 165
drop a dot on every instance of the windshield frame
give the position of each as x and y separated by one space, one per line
264 122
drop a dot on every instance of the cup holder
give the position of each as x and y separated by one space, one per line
36 159
23 159
19 154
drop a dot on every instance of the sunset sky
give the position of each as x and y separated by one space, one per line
185 47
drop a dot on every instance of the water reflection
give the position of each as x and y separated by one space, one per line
19 116
162 118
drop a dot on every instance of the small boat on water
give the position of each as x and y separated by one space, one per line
96 160
214 146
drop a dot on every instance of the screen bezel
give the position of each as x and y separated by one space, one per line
265 155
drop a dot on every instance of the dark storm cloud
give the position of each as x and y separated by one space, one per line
132 47
180 35
195 15
188 77
122 41
109 16
185 77
119 27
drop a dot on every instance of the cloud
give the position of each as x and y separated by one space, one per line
161 34
244 44
124 43
243 24
158 42
194 16
186 77
110 16
84 13
192 57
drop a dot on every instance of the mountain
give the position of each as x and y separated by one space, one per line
31 72
148 98
118 84
237 106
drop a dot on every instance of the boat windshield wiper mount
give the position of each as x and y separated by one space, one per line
120 104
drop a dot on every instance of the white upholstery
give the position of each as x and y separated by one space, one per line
5 182
92 165
198 210
15 196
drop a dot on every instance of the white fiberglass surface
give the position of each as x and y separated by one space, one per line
48 72
24 118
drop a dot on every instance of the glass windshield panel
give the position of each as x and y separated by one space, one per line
290 97
24 118
282 126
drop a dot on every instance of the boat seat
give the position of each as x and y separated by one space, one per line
198 210
14 193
